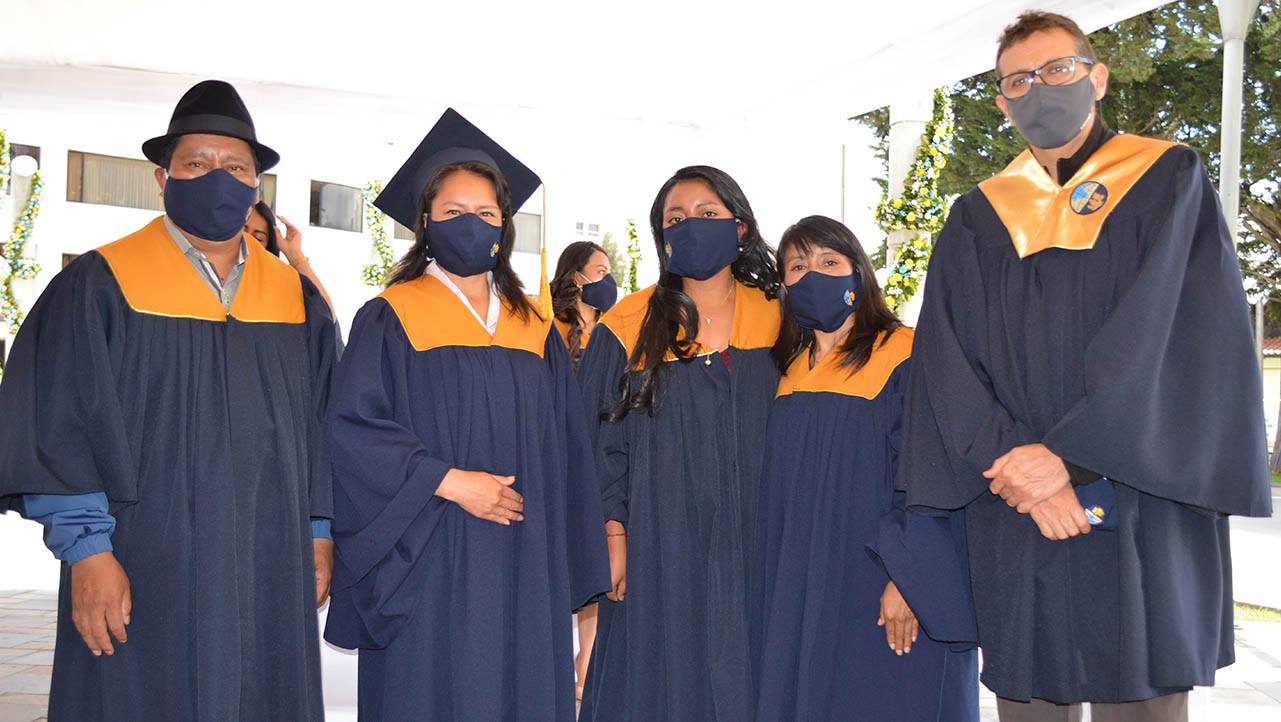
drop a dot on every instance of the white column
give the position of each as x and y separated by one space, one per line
1234 16
908 118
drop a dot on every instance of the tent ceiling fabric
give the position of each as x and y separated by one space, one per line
696 63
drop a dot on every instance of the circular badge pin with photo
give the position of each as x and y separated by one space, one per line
1089 197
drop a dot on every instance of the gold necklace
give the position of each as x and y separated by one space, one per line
720 306
708 320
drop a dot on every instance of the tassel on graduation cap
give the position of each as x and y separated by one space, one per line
544 287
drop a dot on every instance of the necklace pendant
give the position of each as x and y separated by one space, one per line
708 362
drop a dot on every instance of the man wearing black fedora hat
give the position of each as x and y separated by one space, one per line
166 397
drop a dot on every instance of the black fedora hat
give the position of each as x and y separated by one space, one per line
214 107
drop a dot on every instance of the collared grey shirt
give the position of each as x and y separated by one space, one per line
224 291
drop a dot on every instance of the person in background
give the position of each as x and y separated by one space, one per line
1084 385
164 407
468 521
678 380
582 290
836 631
262 225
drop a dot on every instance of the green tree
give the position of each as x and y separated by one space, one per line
617 269
630 282
1166 82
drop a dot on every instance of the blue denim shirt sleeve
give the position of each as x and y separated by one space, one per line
75 526
320 529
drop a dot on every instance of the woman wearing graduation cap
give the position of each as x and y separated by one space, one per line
678 380
838 633
468 523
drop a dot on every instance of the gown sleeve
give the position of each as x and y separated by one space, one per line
76 526
954 426
64 430
603 364
588 554
384 485
926 556
323 351
1172 403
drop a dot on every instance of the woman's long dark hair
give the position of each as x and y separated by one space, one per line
272 245
565 293
414 263
671 320
870 318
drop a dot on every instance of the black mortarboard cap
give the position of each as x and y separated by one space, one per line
452 140
214 107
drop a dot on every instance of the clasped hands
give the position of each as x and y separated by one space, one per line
1033 480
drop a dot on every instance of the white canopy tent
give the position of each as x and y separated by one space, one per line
703 63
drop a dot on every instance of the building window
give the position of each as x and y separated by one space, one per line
336 206
128 182
67 258
401 233
111 181
267 189
529 233
593 230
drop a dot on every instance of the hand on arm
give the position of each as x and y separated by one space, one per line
616 538
1027 475
483 495
898 619
100 601
1061 516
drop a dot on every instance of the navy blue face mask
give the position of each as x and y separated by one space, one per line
821 302
464 245
601 294
698 248
212 207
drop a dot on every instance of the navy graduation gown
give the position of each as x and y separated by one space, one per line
204 427
827 501
684 484
1105 319
459 618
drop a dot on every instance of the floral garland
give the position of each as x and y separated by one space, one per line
4 164
630 284
12 264
920 208
376 274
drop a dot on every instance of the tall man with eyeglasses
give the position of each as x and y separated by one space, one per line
1084 386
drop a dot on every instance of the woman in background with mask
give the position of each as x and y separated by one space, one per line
261 224
834 628
678 380
467 516
582 290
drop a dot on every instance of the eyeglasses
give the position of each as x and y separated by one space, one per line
1059 71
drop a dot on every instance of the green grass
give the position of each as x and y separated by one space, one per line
1251 613
1276 478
